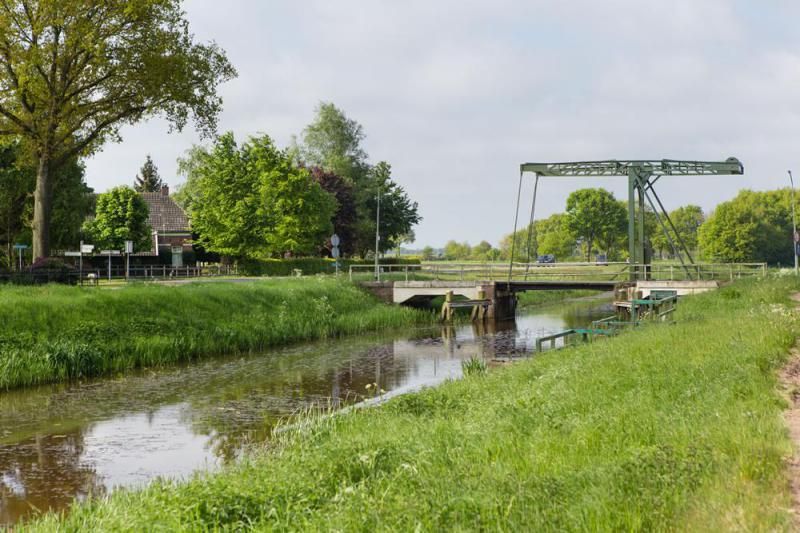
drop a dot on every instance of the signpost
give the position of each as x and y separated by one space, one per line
335 253
109 253
128 252
20 248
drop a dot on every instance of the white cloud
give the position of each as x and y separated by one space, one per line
455 94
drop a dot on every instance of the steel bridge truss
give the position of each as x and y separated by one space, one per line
642 176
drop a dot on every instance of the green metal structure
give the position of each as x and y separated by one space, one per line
642 176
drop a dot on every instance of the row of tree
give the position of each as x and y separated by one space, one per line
754 226
255 200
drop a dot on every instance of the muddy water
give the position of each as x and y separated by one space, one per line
65 442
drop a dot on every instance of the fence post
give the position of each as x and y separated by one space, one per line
406 269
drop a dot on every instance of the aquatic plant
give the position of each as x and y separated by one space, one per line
474 366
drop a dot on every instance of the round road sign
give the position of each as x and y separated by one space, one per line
335 240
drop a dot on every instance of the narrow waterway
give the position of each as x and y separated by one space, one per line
65 442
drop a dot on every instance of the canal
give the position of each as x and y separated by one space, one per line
64 442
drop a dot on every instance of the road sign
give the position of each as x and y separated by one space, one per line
110 252
72 254
87 248
335 240
797 248
797 236
21 246
335 252
128 247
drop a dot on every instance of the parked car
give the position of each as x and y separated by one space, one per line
546 259
601 259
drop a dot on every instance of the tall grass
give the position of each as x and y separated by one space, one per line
56 333
669 427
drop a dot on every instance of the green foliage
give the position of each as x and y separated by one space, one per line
121 215
666 428
551 236
754 226
474 366
253 202
148 179
428 253
73 200
75 71
455 251
56 333
594 216
333 142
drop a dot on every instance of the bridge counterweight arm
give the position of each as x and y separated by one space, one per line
666 167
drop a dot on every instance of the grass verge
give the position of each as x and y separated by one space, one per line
669 427
57 333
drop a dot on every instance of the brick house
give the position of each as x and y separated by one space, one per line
172 234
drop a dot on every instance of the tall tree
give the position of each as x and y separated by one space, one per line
398 216
73 200
595 216
253 202
687 221
344 220
754 226
73 72
333 141
121 215
148 179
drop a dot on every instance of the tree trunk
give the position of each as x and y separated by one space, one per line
42 204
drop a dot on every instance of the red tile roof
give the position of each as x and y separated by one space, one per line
165 215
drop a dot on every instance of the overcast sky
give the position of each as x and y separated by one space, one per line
455 94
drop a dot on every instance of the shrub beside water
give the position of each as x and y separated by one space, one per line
56 333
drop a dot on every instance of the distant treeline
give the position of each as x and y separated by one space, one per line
754 226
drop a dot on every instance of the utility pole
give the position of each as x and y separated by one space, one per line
378 237
795 239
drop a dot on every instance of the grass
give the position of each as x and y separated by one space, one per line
668 427
58 333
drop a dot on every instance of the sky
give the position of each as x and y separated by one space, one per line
455 94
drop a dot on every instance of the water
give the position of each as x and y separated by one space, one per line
65 442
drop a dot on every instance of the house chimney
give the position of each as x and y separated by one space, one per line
165 190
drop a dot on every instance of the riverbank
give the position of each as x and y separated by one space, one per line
57 333
672 427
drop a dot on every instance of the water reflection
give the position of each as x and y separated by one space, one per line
63 442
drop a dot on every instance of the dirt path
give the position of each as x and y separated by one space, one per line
790 379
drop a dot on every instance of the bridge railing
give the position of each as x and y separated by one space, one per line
611 271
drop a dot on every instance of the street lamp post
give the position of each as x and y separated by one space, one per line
378 237
795 240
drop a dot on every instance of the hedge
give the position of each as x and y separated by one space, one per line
309 265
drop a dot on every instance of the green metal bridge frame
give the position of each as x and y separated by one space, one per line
642 176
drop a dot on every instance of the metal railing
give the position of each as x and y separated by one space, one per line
611 271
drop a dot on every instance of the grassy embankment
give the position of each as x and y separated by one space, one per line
57 333
670 427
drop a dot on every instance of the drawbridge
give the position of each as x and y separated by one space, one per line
642 176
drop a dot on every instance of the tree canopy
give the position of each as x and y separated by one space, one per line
148 179
73 72
251 201
121 215
595 217
333 142
754 226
